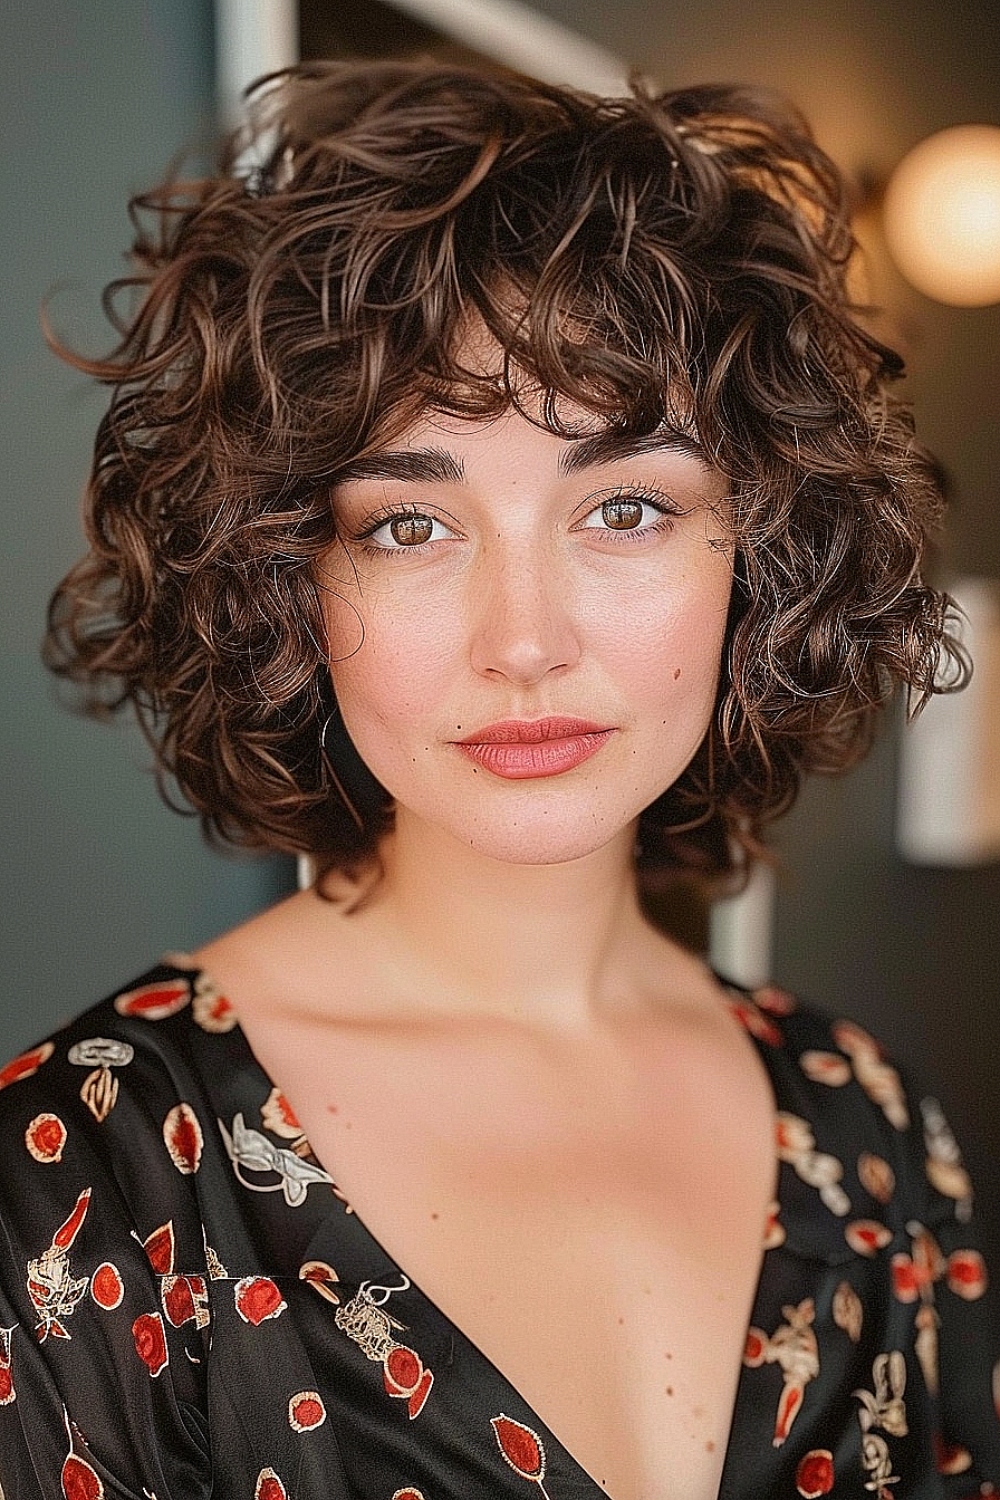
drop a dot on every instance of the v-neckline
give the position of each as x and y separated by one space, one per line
270 1084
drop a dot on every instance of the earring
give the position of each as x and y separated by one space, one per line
325 754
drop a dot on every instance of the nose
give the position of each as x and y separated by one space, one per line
523 607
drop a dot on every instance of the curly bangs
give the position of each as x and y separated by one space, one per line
657 260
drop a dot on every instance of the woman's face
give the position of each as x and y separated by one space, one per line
490 571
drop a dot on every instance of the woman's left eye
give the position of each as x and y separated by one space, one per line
624 516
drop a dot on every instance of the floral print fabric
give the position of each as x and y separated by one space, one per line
189 1306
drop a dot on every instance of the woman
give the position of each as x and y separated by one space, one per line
500 503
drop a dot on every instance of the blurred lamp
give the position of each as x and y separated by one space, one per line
941 216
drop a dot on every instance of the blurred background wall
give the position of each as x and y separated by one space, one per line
99 877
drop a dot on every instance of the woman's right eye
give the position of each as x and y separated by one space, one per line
402 531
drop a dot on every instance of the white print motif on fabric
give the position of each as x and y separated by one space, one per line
99 1090
522 1449
249 1151
848 1312
945 1170
797 1146
879 1079
793 1346
885 1410
211 1009
54 1292
876 1176
7 1391
365 1320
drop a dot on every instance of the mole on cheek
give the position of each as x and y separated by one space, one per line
677 673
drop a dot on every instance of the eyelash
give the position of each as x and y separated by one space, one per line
667 509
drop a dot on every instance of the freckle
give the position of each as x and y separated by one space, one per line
710 1446
435 1214
621 1320
647 1290
670 1390
697 1411
347 1124
677 673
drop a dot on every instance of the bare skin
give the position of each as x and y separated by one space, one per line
540 1106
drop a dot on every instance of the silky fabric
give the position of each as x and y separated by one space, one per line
189 1306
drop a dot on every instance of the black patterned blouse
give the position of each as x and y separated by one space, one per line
189 1306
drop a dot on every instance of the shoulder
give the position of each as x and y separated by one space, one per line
841 1093
107 1107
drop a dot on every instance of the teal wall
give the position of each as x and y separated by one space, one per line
98 876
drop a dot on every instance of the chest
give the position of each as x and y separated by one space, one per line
595 1229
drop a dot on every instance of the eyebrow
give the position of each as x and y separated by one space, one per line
416 465
438 466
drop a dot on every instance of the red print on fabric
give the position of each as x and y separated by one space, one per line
258 1299
150 1342
814 1475
26 1064
184 1140
99 1090
365 1320
408 1493
278 1116
793 1346
320 1274
867 1236
306 1411
185 1300
269 1486
521 1447
107 1287
79 1481
53 1291
45 1138
754 1020
155 1002
7 1391
159 1247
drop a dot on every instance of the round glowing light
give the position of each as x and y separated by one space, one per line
942 216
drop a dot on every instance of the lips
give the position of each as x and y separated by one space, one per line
522 749
532 732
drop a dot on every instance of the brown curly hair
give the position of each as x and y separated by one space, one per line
652 258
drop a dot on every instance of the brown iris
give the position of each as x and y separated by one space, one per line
410 531
622 515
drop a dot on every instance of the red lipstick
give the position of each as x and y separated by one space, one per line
522 748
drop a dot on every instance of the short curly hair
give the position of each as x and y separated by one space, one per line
653 258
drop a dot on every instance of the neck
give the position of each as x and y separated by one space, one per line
556 946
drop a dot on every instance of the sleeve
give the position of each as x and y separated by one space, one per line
957 1310
100 1394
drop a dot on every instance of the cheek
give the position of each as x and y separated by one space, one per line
665 647
382 672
